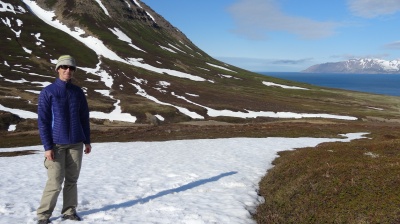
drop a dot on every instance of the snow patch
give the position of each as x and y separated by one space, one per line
216 181
283 86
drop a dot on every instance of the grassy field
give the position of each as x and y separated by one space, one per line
356 182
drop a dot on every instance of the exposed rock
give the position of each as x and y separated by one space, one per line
153 120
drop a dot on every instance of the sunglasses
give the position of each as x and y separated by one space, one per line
65 67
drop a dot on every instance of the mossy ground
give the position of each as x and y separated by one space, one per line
355 182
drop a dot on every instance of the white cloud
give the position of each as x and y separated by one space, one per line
373 8
359 56
269 64
393 45
255 18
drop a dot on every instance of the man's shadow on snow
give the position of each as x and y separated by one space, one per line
158 195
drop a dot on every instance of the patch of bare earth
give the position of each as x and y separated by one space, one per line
17 153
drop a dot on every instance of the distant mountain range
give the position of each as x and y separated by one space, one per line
365 65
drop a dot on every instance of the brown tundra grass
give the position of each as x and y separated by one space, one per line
355 182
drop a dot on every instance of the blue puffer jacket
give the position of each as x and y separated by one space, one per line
63 115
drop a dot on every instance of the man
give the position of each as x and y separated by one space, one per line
63 120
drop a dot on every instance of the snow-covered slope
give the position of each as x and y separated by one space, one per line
367 66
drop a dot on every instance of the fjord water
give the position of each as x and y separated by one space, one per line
386 84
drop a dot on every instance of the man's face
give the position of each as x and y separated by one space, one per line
65 72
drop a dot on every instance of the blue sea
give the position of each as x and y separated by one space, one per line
386 84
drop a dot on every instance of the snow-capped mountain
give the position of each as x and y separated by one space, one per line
361 66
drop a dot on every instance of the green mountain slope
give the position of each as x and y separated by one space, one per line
130 58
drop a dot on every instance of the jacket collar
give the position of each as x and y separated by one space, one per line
61 83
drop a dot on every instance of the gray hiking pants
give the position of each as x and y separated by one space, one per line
65 166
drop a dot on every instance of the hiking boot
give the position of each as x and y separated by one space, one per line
73 217
43 221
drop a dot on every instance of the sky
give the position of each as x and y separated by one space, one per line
172 182
287 35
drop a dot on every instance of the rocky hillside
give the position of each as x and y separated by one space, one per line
134 65
360 66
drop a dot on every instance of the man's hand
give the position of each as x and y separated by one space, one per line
88 148
49 154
